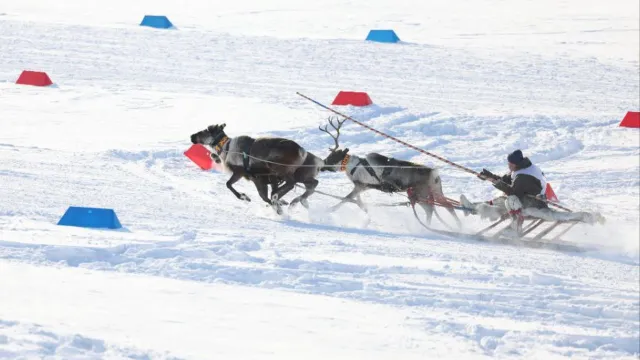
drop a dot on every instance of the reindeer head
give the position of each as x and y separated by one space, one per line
213 136
337 160
336 157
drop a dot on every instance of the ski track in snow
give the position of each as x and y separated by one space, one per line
112 132
26 341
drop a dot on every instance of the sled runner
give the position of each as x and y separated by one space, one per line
534 232
529 231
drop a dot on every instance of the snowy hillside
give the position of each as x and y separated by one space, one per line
197 274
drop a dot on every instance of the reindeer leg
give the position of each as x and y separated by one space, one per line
440 195
349 198
310 188
455 216
275 198
274 181
234 178
288 186
365 209
428 208
361 204
261 186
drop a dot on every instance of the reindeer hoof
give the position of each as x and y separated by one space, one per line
244 197
275 200
277 208
295 201
304 203
276 204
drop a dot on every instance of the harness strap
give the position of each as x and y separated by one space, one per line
387 170
365 164
246 159
245 162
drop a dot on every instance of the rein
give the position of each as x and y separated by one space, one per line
460 167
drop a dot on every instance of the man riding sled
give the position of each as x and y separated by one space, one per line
524 188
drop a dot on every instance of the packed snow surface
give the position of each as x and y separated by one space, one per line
197 274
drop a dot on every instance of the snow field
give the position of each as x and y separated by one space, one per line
196 273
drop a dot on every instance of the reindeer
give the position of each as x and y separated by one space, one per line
376 171
264 161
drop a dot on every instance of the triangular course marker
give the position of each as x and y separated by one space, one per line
551 196
384 36
355 98
90 218
631 120
156 21
35 78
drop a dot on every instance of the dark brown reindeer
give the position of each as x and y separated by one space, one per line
376 171
264 161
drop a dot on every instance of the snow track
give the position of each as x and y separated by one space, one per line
470 298
20 340
196 273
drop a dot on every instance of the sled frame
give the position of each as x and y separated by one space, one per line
501 232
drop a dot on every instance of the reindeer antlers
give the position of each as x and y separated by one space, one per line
336 127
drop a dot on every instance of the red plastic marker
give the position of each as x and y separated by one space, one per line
200 155
631 120
551 196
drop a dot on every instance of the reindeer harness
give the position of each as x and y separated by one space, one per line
245 153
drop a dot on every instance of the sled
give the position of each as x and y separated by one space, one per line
542 238
536 233
533 232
